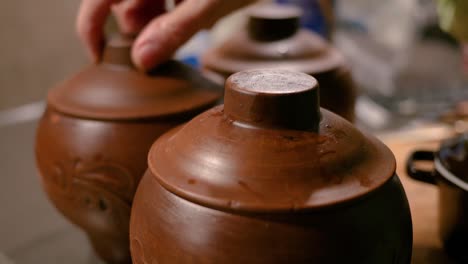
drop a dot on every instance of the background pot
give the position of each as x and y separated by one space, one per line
273 38
93 139
450 164
270 178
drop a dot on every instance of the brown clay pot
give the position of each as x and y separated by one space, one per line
93 140
269 177
450 174
273 39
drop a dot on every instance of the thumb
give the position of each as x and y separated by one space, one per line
165 34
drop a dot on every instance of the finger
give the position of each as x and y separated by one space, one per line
90 23
165 34
133 15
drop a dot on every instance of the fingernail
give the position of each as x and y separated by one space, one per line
147 54
94 56
95 52
89 52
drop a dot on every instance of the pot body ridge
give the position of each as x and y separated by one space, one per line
165 228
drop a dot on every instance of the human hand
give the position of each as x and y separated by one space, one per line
161 34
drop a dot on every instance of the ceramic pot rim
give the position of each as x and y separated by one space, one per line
161 164
329 61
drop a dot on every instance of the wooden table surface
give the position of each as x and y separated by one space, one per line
423 199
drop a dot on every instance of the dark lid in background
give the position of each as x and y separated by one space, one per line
273 38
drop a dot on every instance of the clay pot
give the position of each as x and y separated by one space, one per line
93 139
269 177
450 174
272 38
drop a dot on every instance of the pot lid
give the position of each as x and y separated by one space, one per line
270 148
115 89
273 39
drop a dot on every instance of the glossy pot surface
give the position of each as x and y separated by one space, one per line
273 38
450 176
93 140
269 177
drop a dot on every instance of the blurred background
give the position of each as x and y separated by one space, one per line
408 70
395 51
38 48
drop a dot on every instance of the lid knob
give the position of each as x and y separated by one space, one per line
273 98
273 22
118 50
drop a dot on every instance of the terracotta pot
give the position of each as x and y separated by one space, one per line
94 137
450 174
268 177
272 38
